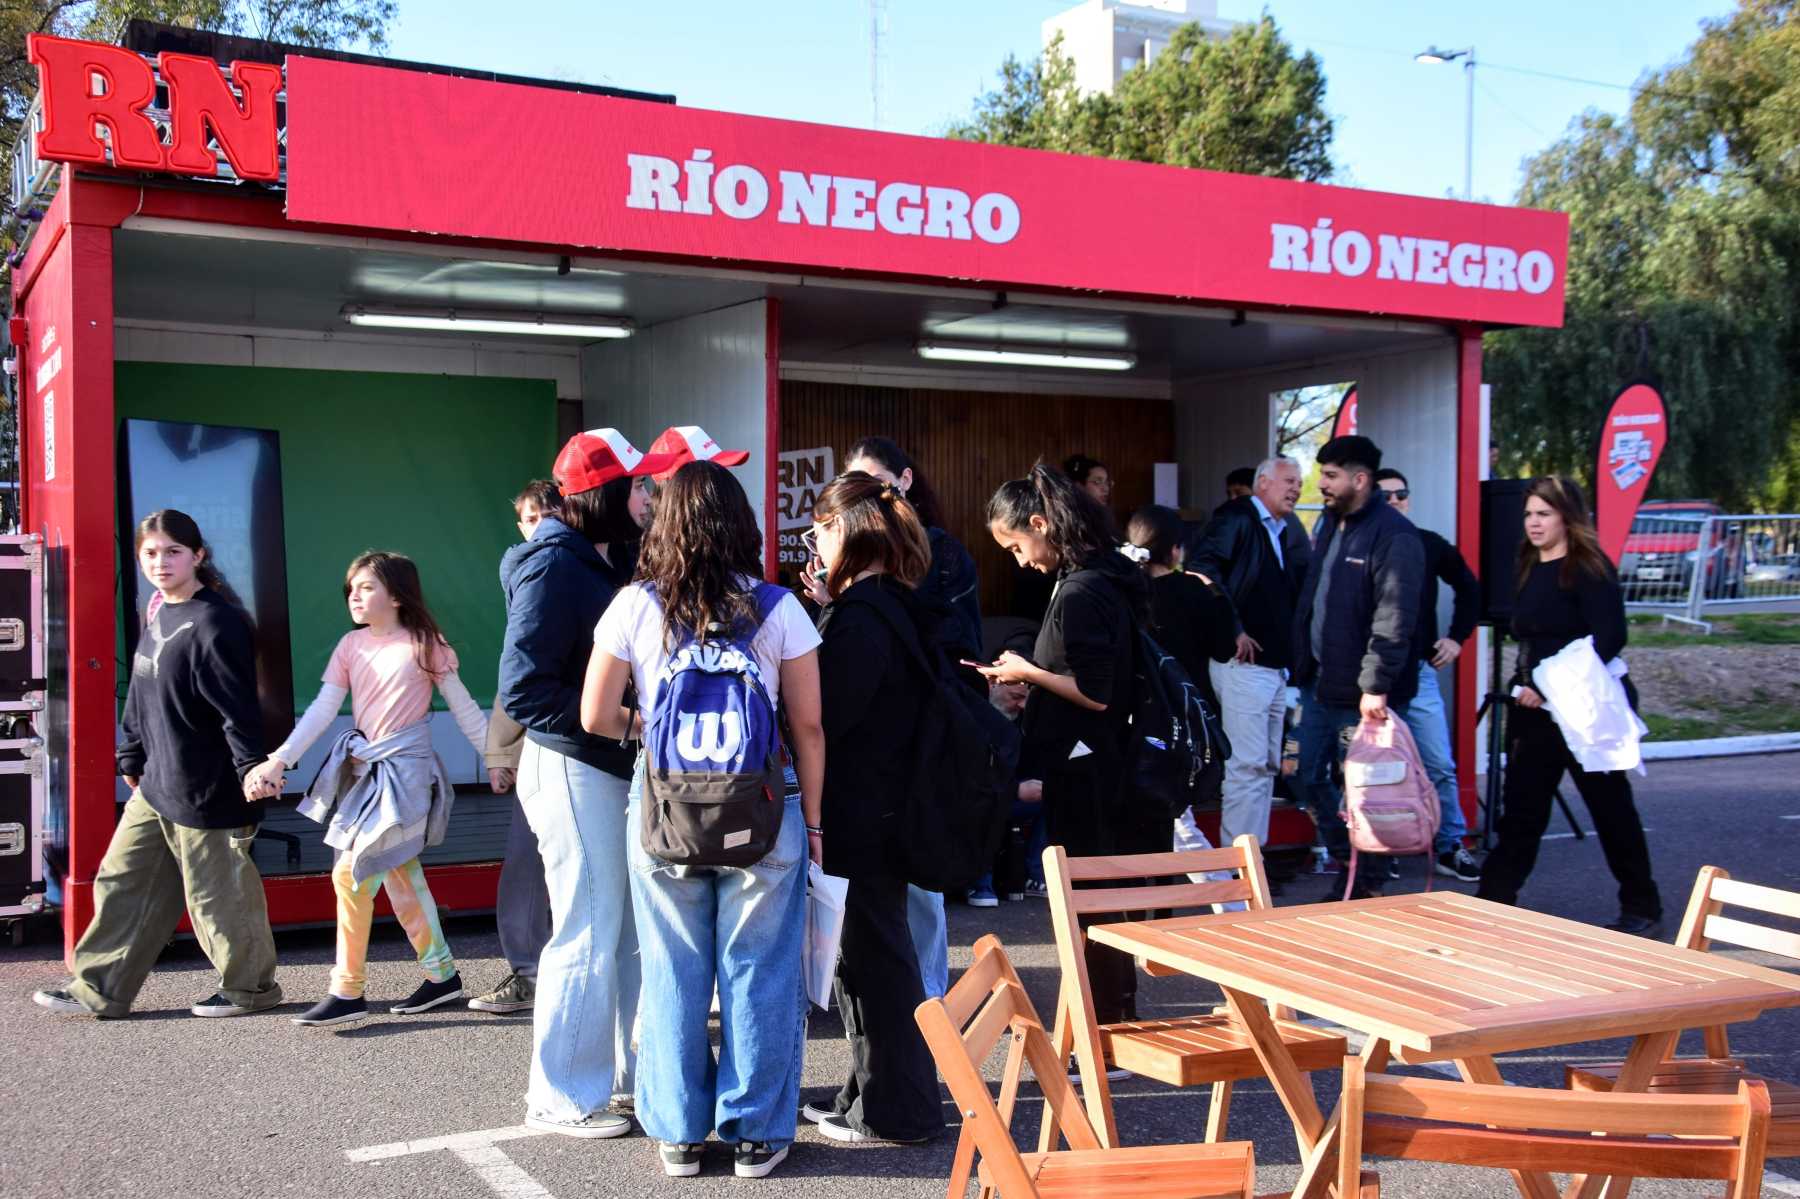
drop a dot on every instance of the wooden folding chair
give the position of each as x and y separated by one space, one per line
1718 1073
1183 1052
987 1003
1538 1130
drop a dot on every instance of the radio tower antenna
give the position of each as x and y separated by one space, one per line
877 30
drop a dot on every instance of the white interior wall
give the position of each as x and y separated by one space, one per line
709 370
305 349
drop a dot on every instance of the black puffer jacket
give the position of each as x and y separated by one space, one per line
1372 608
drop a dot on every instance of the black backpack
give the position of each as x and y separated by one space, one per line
956 806
1178 746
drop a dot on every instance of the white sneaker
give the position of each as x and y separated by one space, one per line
1113 1074
593 1127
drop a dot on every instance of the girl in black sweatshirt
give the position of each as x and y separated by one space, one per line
1567 590
192 730
1080 674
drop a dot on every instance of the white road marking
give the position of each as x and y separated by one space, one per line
1780 1183
1569 836
1795 816
454 1143
503 1175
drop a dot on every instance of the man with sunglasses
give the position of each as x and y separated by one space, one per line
1425 714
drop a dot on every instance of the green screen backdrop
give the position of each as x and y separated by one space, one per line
425 465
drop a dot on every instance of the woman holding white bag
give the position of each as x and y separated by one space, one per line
1566 590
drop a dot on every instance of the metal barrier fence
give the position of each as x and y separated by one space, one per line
1698 563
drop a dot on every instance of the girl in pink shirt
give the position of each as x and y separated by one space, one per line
388 668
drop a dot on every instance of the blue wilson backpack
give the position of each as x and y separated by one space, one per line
713 785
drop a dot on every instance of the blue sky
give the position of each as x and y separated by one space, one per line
1399 123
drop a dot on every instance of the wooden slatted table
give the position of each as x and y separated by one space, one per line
1445 976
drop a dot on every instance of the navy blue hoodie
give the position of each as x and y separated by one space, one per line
557 585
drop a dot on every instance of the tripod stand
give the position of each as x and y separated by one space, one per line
1494 706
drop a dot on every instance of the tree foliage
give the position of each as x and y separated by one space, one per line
1243 103
1682 264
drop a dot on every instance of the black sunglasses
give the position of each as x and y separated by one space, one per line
1399 493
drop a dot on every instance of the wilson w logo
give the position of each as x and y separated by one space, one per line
709 737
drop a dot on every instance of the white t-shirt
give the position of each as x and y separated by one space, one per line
631 630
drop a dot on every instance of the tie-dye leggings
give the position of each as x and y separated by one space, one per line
413 906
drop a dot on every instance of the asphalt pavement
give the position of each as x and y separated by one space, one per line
162 1104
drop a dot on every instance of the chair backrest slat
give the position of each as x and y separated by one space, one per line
1537 1130
1171 895
1151 865
1745 935
970 992
1566 1111
1772 900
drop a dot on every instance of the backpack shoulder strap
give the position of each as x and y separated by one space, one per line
885 606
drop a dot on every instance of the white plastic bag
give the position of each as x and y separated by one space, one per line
824 931
1189 838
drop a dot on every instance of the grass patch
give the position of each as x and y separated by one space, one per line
1731 721
1649 631
1679 728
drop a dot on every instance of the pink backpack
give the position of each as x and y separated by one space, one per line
1389 803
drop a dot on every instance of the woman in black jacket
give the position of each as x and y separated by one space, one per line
1075 721
874 551
1567 590
1190 614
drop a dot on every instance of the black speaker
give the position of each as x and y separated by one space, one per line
1502 528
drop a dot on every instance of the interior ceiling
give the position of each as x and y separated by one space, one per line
283 285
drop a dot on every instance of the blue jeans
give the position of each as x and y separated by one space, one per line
930 938
588 972
1431 732
741 930
1322 747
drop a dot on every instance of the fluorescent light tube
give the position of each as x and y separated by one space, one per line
468 320
1087 360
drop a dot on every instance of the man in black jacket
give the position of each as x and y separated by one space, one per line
1255 549
1425 714
1354 656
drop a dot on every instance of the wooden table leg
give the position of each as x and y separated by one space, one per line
1292 1087
1647 1053
1318 1165
1483 1070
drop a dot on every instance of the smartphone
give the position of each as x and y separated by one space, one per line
976 665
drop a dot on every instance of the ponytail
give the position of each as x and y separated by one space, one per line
1076 526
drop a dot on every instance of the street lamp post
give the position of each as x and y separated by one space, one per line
1435 55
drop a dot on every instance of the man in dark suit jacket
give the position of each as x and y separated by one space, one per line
1255 549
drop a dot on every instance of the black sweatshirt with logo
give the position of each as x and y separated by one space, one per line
192 724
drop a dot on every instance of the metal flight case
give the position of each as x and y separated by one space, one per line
24 833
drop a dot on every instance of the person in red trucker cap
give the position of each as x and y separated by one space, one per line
681 444
572 787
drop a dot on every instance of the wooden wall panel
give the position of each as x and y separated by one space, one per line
969 442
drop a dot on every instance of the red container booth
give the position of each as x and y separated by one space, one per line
336 256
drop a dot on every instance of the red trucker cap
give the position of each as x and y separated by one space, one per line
682 444
598 456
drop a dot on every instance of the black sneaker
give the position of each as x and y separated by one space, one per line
679 1161
333 1009
812 1113
429 995
838 1128
754 1159
1638 926
61 1001
1458 864
218 1005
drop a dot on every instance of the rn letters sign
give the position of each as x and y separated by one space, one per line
87 87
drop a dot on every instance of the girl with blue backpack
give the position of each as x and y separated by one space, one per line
717 854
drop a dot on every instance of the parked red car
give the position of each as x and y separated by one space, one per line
1663 549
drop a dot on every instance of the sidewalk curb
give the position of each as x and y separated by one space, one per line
1721 747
